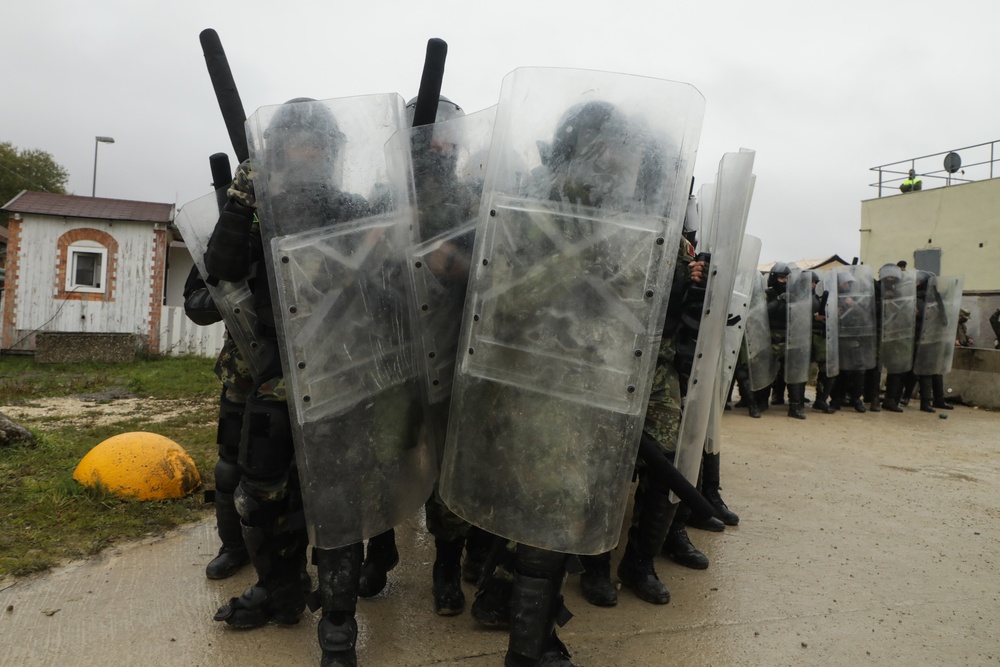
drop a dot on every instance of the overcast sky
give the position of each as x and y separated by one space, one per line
822 92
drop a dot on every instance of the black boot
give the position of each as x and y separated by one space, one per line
652 518
796 402
909 383
937 391
339 572
595 581
232 554
711 487
477 547
382 556
893 385
536 604
491 608
926 393
277 597
678 547
449 600
823 385
761 396
778 390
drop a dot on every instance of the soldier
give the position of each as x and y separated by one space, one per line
234 373
857 343
331 286
543 319
824 383
897 312
788 339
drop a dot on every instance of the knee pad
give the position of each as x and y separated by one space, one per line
230 428
227 476
266 444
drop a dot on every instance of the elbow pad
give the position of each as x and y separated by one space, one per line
200 308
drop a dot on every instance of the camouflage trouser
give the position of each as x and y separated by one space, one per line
819 350
663 416
233 371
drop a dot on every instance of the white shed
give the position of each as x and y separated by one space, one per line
84 265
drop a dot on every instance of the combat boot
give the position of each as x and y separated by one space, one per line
338 571
926 393
382 556
711 489
893 385
449 599
595 581
653 516
678 548
778 391
491 608
477 549
796 406
937 392
232 554
821 403
536 606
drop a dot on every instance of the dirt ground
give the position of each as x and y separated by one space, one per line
865 539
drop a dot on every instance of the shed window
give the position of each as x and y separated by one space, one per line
87 268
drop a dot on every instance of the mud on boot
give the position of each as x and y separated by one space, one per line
337 639
555 654
639 575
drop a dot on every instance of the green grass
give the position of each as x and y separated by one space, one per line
47 517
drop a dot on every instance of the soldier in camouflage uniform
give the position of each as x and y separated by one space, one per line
237 383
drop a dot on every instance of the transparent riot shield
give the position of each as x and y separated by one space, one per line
798 327
827 290
739 306
566 303
938 324
856 318
761 364
336 252
733 189
441 178
235 301
899 319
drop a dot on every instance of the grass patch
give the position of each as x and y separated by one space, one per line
47 517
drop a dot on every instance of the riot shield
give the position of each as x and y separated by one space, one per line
938 321
335 252
739 306
761 364
440 176
856 318
798 327
733 189
235 301
899 319
828 297
566 303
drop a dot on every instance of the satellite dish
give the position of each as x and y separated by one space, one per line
952 162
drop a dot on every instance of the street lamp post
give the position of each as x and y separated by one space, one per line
98 140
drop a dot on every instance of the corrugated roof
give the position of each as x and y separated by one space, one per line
74 206
806 264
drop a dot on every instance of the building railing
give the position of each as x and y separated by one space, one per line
976 165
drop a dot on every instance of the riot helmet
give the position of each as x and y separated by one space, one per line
595 157
890 272
446 110
304 139
923 279
778 271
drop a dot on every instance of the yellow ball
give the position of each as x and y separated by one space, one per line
140 465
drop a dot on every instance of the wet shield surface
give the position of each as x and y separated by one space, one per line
235 301
798 329
938 322
724 235
856 318
440 180
337 247
585 195
898 318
